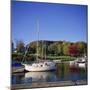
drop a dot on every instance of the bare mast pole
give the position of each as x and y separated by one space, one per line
37 38
45 50
42 49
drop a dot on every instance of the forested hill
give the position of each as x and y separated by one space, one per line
53 47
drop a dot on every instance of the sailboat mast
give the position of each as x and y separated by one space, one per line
37 39
45 50
42 49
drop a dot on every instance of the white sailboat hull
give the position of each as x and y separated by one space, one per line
30 68
41 66
82 65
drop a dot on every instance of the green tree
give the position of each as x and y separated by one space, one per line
82 48
12 46
66 48
60 48
56 48
20 47
32 48
53 49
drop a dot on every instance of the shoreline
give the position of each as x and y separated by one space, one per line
49 84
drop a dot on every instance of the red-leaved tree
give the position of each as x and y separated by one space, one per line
73 50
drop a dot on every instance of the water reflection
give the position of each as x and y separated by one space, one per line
40 76
63 72
17 78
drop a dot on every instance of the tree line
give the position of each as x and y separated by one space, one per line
51 48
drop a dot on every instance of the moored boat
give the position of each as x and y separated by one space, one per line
79 62
40 64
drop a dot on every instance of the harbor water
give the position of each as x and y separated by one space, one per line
64 72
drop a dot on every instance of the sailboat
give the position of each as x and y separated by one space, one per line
40 65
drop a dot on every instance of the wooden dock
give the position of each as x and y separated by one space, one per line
18 69
49 84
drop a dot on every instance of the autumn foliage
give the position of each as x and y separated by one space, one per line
73 50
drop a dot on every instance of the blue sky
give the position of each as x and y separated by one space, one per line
56 21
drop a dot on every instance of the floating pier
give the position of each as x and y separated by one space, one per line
49 84
18 69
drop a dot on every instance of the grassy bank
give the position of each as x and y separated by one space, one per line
32 57
65 58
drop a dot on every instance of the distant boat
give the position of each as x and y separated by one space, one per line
40 64
80 62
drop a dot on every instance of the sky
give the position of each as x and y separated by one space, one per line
56 21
